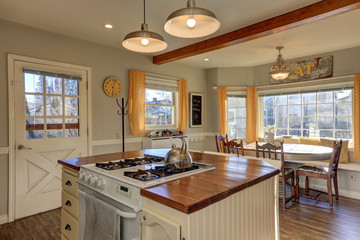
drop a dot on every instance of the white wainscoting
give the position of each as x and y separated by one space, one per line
4 150
3 219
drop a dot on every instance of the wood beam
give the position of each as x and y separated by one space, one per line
299 17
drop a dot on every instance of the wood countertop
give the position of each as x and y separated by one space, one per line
192 193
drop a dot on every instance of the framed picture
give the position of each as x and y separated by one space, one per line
196 109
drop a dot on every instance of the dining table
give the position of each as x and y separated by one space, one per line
303 152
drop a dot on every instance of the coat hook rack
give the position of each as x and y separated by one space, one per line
122 112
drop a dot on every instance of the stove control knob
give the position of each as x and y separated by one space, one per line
81 176
93 180
86 177
100 184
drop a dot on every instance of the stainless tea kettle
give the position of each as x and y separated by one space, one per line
178 158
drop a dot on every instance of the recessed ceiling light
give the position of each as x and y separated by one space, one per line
108 26
206 59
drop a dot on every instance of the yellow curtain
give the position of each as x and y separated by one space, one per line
357 116
251 114
137 102
183 106
222 106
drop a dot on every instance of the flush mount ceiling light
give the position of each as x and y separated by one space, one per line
144 41
191 22
278 70
108 26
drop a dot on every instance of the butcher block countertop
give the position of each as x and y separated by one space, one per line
192 193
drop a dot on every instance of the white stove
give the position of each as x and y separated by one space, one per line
121 180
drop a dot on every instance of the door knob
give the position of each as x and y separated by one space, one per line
21 146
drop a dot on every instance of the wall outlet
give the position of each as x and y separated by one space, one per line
117 135
352 177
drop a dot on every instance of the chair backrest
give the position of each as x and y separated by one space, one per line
220 142
335 156
232 147
268 149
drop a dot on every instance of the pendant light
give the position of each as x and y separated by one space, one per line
278 70
191 22
144 41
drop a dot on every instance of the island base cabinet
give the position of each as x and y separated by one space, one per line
249 214
157 227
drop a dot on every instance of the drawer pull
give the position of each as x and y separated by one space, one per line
68 183
67 227
68 203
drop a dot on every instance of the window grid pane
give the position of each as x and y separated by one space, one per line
46 104
314 114
237 117
160 109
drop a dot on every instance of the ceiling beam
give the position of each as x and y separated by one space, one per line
299 17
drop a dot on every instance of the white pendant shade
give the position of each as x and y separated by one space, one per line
280 75
144 41
191 22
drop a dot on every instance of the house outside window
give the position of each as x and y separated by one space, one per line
326 113
160 109
236 117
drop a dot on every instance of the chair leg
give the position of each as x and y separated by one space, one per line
293 187
284 194
307 184
330 192
336 187
297 188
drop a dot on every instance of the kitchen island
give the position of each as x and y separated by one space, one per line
236 200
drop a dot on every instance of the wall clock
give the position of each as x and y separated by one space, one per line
112 87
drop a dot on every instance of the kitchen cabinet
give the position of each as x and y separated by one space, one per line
69 203
249 214
163 142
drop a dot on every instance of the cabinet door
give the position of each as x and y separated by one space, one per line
156 227
161 143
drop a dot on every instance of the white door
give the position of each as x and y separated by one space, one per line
50 124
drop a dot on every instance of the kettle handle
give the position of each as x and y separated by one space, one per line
184 145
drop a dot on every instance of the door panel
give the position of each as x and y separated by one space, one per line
50 124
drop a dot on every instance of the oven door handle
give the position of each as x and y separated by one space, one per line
125 214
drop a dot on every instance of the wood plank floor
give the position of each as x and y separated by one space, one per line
308 220
43 226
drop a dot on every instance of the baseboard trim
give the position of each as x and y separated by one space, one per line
3 219
342 192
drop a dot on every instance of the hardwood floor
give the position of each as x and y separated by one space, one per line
43 226
308 220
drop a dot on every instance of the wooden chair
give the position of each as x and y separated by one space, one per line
285 173
232 147
316 171
220 142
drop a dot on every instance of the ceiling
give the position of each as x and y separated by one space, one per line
85 19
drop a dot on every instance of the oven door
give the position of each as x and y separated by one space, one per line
130 226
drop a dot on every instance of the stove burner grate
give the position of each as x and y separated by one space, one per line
126 163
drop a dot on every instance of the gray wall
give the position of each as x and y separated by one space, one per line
104 62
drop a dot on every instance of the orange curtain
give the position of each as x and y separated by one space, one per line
251 114
183 106
137 102
357 116
222 106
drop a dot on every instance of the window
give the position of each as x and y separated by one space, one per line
51 105
325 113
160 108
237 116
